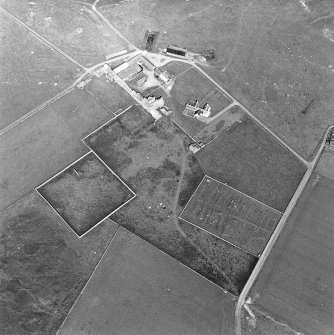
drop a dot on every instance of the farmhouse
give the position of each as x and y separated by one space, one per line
194 110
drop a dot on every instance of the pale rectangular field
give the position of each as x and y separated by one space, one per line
296 284
46 143
137 289
231 215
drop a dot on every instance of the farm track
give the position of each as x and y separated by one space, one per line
42 39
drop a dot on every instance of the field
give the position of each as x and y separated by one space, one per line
47 142
220 124
231 216
251 161
70 26
44 266
325 166
276 57
191 24
264 324
30 72
296 284
175 68
156 164
137 289
109 94
85 193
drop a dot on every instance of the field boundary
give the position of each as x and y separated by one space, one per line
88 280
183 130
120 227
231 126
220 238
134 195
104 124
246 195
62 170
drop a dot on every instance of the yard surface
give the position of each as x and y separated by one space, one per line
156 164
44 266
231 216
251 161
71 26
296 284
85 193
46 143
30 72
137 289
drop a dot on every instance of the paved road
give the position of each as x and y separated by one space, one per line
41 38
274 237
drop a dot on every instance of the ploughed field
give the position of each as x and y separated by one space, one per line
231 215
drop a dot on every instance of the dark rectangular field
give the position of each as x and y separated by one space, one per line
231 215
85 193
156 163
296 284
250 160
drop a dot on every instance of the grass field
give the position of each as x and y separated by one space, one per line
44 266
231 216
280 65
85 193
69 25
30 72
137 289
47 142
264 324
251 161
197 25
156 164
325 166
296 283
222 123
175 68
111 95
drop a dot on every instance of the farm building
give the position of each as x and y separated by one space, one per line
176 51
194 110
